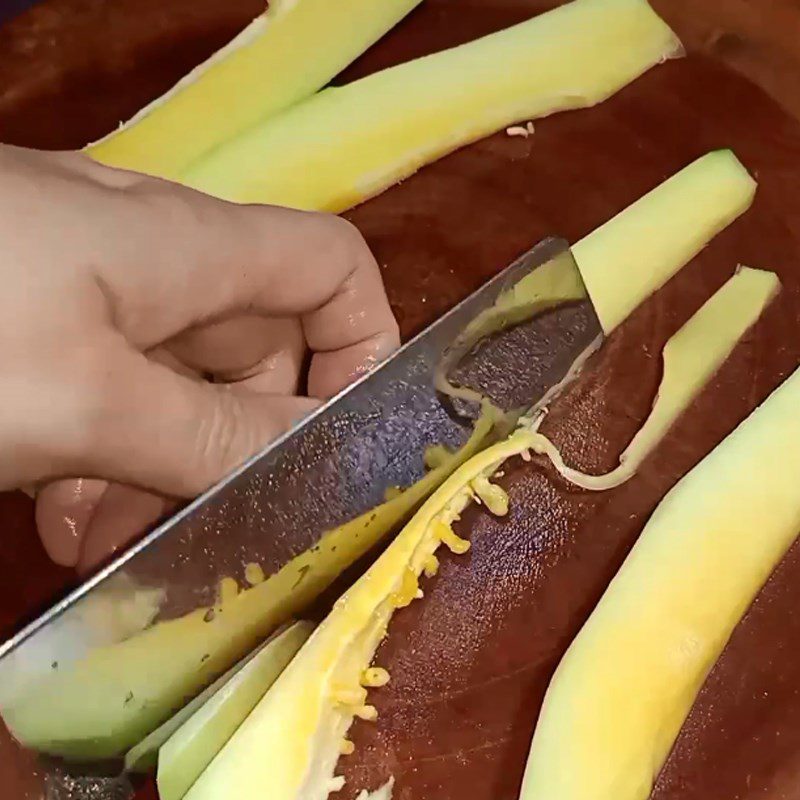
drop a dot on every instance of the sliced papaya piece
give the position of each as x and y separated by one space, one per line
627 683
285 55
290 744
144 756
191 748
634 254
349 143
691 358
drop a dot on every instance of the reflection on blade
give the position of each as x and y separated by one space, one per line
551 286
103 704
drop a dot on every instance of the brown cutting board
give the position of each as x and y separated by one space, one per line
471 662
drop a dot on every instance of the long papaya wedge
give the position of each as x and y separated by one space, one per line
347 144
184 756
285 55
627 683
630 257
691 357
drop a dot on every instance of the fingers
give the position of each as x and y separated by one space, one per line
82 523
64 509
332 372
347 312
205 260
354 331
244 348
123 514
152 428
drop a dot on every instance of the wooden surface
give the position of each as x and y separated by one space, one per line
470 664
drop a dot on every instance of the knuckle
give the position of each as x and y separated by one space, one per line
346 240
176 209
179 211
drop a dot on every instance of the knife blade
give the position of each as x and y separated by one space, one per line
516 341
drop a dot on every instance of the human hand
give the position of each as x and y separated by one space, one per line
123 297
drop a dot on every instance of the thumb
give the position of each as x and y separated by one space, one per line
159 430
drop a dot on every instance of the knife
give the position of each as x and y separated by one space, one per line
516 341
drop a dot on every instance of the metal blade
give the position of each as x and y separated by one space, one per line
335 466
